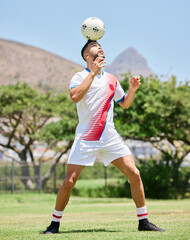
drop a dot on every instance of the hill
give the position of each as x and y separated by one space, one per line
44 70
39 68
130 61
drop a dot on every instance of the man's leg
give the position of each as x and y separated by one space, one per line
73 173
127 166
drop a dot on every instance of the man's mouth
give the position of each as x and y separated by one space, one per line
99 55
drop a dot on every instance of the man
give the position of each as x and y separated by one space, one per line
94 90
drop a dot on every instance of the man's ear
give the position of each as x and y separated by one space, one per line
86 56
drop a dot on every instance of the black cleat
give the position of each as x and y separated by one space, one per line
53 228
145 225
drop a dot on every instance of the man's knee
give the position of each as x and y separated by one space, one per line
69 183
135 176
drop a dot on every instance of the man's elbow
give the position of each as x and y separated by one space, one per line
124 106
74 99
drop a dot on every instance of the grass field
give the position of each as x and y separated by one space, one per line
95 183
25 216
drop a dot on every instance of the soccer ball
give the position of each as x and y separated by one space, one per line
93 28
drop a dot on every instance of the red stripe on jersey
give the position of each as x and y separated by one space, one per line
97 122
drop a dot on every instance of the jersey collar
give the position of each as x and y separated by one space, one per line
90 71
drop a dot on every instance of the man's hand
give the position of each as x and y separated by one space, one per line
98 64
134 83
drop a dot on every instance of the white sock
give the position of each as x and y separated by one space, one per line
142 213
57 215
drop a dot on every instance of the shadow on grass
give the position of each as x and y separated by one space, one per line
85 231
88 230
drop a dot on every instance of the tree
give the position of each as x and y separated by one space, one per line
24 112
160 114
63 129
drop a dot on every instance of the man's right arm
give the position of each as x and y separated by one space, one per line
78 92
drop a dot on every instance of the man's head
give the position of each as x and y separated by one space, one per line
92 49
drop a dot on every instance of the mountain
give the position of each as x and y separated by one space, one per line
130 61
44 70
39 68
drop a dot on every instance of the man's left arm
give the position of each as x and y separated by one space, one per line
134 84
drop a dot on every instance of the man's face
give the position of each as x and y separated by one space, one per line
94 50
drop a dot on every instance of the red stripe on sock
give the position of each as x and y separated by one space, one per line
57 216
142 215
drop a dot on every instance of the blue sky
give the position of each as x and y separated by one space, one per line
159 30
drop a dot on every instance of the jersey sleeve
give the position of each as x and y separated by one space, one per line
75 81
119 93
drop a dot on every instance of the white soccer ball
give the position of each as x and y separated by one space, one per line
93 28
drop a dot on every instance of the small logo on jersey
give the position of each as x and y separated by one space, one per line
111 87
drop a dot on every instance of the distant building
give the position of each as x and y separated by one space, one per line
143 150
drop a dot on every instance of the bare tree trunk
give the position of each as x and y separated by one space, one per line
37 175
25 171
51 170
25 177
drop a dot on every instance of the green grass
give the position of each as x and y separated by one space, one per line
95 183
25 216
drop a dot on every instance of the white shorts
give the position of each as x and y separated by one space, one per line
85 152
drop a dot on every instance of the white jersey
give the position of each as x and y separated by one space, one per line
95 109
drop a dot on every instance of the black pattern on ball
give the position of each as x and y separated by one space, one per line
95 29
84 26
87 37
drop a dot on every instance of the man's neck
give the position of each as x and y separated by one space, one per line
90 67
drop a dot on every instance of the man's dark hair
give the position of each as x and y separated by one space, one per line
85 46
